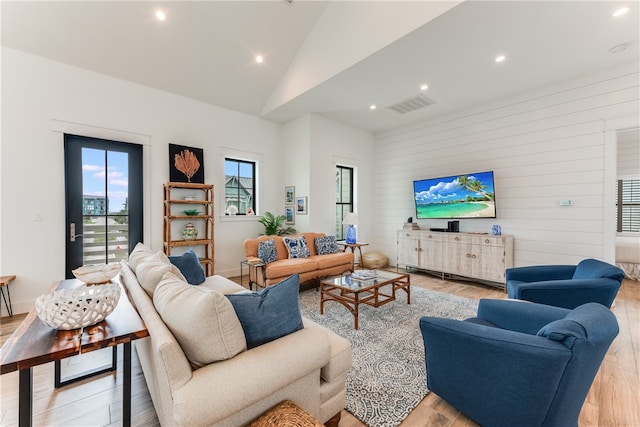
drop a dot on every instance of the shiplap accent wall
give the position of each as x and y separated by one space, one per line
544 147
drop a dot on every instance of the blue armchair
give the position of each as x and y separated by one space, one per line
566 286
518 363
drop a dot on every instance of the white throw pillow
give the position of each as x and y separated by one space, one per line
202 320
151 269
138 254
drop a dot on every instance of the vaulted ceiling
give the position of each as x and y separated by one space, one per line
335 58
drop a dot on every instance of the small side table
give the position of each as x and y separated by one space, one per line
254 270
353 247
4 283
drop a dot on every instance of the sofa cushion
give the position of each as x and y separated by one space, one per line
222 285
333 260
151 269
190 267
267 251
297 247
269 314
287 267
202 320
139 253
326 245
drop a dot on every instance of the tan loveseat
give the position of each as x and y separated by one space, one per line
308 366
313 267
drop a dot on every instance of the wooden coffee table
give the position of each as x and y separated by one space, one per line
351 293
35 343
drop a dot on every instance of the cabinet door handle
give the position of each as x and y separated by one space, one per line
473 256
486 240
457 238
468 255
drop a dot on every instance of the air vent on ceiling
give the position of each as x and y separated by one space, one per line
412 104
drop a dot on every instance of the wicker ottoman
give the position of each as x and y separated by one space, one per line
286 414
374 260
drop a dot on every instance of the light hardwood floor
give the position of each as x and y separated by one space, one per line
613 400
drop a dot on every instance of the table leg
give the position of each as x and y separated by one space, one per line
4 297
25 393
126 386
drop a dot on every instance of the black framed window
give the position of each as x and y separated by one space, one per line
344 197
240 186
628 205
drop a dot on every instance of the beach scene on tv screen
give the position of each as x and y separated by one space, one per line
459 196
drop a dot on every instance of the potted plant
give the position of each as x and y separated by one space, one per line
274 225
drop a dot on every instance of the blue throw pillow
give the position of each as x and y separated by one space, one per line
190 267
269 314
267 251
326 245
297 247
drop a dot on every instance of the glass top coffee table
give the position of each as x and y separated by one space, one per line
351 292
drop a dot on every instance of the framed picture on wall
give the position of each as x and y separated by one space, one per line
289 195
301 205
290 215
186 164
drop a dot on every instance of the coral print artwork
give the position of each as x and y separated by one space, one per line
186 164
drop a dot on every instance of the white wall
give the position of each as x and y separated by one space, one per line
334 143
314 145
41 97
544 147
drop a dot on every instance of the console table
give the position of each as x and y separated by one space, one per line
474 255
35 343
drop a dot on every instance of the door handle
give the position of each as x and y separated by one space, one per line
72 232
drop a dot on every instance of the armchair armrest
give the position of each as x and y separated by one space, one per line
540 273
567 293
500 362
520 316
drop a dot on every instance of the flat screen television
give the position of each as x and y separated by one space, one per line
458 196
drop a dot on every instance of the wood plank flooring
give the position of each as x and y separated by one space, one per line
613 400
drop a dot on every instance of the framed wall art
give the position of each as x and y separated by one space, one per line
290 215
301 205
289 195
186 164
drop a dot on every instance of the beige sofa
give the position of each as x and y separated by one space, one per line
313 267
308 366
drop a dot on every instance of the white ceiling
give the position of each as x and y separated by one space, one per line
332 58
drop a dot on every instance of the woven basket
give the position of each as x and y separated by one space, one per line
77 308
286 414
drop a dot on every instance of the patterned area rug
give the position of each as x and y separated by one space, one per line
388 377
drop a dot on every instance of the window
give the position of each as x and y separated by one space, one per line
628 205
240 186
344 197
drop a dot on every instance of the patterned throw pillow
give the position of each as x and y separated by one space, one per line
297 247
267 251
326 245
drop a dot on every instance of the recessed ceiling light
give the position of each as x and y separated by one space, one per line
160 15
259 59
372 107
500 58
620 12
424 87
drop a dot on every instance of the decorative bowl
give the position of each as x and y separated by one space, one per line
77 308
96 273
191 212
